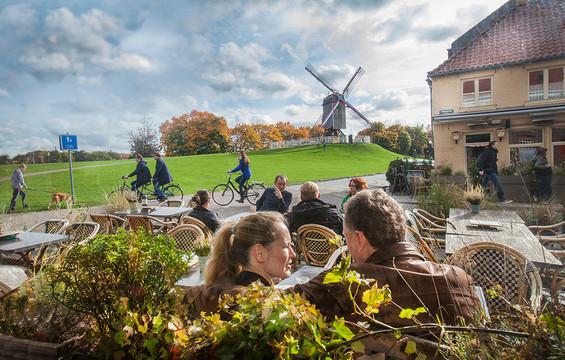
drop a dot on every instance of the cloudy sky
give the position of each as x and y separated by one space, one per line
96 68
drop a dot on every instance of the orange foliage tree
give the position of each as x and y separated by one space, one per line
290 132
267 133
196 133
244 137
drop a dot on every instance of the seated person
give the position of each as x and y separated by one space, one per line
356 184
141 171
276 198
312 210
257 248
202 210
374 227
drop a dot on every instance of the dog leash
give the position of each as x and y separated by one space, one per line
49 192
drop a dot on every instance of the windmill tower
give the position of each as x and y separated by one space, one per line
335 105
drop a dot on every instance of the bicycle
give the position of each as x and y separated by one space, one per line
171 190
223 194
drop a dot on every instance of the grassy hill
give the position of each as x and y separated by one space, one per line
92 180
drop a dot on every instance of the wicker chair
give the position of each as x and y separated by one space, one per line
51 226
412 236
150 224
172 203
417 185
552 237
109 224
81 231
341 252
185 219
437 245
430 224
491 264
186 236
314 242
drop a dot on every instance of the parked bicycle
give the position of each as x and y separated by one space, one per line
223 194
171 190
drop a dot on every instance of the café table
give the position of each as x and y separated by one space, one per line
193 277
303 274
497 226
237 216
26 242
157 212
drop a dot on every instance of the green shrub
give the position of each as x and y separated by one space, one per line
476 178
440 198
124 283
460 173
446 171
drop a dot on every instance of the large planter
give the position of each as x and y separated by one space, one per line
457 180
475 208
12 348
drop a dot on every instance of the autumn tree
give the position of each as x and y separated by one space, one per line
314 130
144 140
194 133
290 132
267 133
244 137
420 140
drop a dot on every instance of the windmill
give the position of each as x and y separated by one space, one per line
335 104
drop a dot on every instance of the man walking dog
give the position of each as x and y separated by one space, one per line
17 185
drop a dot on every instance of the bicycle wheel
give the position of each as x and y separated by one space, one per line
173 191
222 194
254 192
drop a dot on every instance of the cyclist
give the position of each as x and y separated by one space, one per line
245 173
161 177
141 171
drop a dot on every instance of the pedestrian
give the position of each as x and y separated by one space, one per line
17 184
543 171
245 173
486 162
161 177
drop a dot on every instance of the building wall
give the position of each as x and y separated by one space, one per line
509 91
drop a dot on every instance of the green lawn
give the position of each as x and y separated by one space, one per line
201 171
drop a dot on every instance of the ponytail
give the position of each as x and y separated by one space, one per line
223 264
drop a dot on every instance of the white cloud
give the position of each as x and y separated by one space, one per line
18 20
4 93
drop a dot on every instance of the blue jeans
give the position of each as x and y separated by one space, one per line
494 178
158 189
241 179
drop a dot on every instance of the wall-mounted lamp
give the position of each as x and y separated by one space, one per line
456 135
500 133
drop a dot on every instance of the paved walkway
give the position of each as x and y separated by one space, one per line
332 191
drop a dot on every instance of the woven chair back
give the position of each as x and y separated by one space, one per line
79 232
109 224
172 203
194 221
412 236
314 241
186 236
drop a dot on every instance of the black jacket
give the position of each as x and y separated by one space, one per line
162 174
487 160
142 172
209 218
315 211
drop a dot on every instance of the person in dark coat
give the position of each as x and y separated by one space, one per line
486 163
202 210
374 227
161 177
312 210
276 198
141 171
543 171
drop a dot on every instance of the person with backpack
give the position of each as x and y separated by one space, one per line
486 162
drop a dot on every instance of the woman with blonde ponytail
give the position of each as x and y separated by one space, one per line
258 247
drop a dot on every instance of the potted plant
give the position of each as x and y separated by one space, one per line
474 196
202 250
131 197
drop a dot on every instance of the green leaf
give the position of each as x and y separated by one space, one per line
410 347
358 347
331 277
150 344
343 330
409 313
120 354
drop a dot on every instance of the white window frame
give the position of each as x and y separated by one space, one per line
554 144
524 145
479 98
543 91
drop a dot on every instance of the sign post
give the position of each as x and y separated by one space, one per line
69 142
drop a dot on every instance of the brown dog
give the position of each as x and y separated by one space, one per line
58 197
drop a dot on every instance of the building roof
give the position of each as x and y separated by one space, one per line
511 35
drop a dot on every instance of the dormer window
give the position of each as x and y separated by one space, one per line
477 92
546 84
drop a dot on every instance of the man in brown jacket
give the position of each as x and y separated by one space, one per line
374 227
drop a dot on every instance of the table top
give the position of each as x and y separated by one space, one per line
511 232
238 216
305 272
193 277
31 240
158 212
